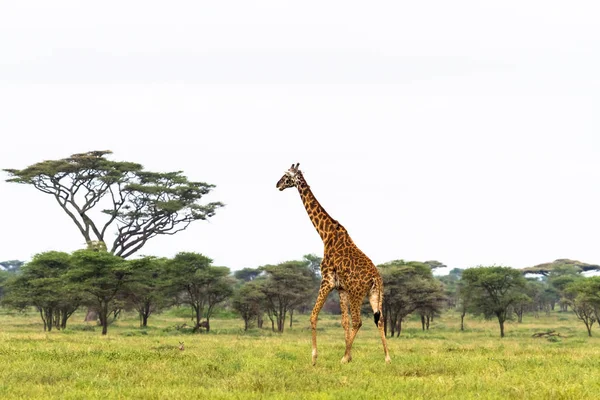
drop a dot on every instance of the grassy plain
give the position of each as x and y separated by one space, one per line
444 362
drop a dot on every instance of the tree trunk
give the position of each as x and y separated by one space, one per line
49 317
91 316
144 311
385 324
65 317
501 322
198 316
281 319
245 324
259 320
42 317
589 328
269 314
399 327
104 318
520 310
207 323
462 321
291 317
423 321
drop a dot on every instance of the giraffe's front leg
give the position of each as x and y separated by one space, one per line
327 285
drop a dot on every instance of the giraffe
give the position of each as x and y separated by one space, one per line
344 267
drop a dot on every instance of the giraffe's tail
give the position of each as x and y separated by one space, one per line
377 315
378 287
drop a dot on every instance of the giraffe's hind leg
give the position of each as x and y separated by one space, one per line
376 300
345 317
355 303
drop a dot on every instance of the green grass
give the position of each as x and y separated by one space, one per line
229 364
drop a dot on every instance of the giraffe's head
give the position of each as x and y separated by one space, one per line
289 178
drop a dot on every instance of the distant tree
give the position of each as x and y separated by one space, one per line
537 302
429 300
247 274
101 278
147 290
450 282
4 277
314 263
493 290
550 297
139 204
591 290
42 284
456 272
464 302
286 286
11 265
219 288
520 306
560 277
584 299
200 284
248 301
408 287
435 264
556 266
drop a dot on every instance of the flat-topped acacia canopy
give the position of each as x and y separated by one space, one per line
97 193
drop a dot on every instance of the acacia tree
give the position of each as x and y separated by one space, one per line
99 194
314 263
12 266
247 274
248 300
219 288
532 302
42 284
408 287
429 300
101 278
451 289
493 290
463 303
286 286
561 277
4 279
584 299
199 284
147 292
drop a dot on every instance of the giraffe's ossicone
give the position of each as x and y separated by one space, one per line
344 267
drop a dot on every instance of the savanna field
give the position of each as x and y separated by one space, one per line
228 363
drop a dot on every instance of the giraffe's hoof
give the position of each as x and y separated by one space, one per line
388 360
346 359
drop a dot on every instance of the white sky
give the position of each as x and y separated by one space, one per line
465 131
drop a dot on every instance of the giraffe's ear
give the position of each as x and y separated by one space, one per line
296 167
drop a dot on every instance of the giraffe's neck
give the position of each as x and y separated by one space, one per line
322 221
